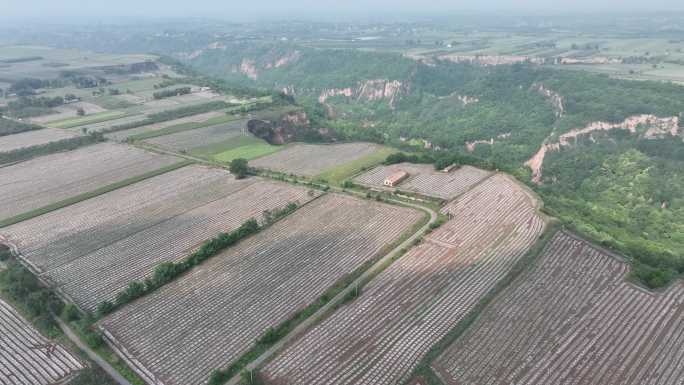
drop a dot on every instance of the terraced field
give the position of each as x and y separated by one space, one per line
200 137
33 138
312 159
425 180
93 249
573 319
380 336
48 179
212 315
26 357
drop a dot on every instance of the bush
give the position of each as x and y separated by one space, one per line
239 168
71 313
5 253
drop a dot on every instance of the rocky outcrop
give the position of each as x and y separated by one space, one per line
553 98
470 146
248 68
369 90
284 60
290 127
652 126
491 60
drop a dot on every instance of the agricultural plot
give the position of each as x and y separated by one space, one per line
212 315
33 138
312 159
425 180
48 179
93 249
26 357
573 319
50 62
68 111
194 119
201 137
380 336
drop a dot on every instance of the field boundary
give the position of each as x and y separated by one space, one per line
321 310
91 194
424 368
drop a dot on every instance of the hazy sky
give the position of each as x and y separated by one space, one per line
239 9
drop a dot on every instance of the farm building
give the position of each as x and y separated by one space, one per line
396 178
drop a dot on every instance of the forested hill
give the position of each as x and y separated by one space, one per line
606 154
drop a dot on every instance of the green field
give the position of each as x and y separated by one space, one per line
339 174
246 147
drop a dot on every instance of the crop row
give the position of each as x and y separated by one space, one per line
44 180
93 249
26 357
573 320
215 313
379 338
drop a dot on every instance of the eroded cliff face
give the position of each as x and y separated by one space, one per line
555 99
253 68
369 90
248 68
652 127
288 128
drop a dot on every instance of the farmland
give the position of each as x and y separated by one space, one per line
68 111
85 249
200 137
311 159
424 180
150 128
573 319
26 357
33 138
48 179
380 336
209 317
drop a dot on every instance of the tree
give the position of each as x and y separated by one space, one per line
239 168
80 111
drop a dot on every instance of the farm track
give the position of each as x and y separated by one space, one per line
113 373
424 180
26 357
573 319
339 298
41 181
379 337
228 302
310 160
163 219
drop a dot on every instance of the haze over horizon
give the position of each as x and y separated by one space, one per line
100 10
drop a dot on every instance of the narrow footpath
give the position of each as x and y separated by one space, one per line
113 373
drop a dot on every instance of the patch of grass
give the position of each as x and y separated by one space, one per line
88 119
337 175
245 147
88 195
